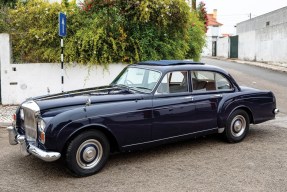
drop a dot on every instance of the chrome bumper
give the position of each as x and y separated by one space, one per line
276 111
27 149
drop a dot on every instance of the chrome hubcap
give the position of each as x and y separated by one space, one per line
238 126
89 154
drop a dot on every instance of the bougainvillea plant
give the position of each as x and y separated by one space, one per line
203 14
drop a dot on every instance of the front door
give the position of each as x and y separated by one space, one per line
171 105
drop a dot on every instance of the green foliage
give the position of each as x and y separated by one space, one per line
3 20
4 5
106 31
8 3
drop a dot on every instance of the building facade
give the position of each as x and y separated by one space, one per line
264 38
212 34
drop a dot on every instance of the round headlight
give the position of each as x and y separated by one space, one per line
22 114
41 125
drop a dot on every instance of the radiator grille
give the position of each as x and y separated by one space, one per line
30 125
30 109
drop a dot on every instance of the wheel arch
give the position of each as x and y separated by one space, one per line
114 146
223 120
247 110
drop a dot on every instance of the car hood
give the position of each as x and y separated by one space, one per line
84 97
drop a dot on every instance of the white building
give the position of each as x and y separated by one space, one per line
212 35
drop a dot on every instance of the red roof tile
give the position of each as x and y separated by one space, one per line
212 21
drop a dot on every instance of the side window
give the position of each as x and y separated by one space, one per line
174 82
222 83
203 81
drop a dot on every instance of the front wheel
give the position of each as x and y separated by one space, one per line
237 126
87 153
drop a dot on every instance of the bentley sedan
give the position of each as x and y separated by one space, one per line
148 104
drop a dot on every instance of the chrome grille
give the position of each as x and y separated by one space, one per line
30 125
30 122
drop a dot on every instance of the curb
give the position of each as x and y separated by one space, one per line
273 67
5 124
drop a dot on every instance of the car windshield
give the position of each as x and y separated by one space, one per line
143 80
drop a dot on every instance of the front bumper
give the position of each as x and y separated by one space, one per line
28 148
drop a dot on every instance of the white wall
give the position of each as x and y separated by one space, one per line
35 79
207 49
247 46
223 45
259 41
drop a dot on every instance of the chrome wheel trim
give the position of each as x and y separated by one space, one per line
89 154
238 126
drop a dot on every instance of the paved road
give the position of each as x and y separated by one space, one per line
257 77
204 164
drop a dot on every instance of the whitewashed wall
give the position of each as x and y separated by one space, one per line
223 47
264 38
21 81
207 49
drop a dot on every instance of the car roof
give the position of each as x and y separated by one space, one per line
170 62
177 65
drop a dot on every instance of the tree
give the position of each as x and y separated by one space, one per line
203 14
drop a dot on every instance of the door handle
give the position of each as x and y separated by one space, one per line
189 97
217 96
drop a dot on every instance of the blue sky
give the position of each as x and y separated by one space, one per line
231 12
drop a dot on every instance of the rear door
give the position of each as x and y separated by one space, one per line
208 89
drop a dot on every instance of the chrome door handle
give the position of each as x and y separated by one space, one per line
189 97
217 96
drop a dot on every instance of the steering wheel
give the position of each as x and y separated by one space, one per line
129 82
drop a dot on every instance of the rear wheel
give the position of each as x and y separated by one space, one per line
87 153
237 126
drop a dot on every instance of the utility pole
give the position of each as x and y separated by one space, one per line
250 16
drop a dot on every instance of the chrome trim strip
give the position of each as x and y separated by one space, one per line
169 138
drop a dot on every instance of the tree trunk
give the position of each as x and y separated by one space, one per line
193 4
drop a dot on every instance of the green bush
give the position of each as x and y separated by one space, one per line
106 31
3 20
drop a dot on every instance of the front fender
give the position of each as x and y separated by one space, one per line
57 124
73 129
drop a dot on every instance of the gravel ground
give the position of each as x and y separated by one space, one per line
204 164
259 163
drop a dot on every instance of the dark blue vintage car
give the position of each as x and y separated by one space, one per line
148 104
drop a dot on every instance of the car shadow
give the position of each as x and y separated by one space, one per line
36 168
